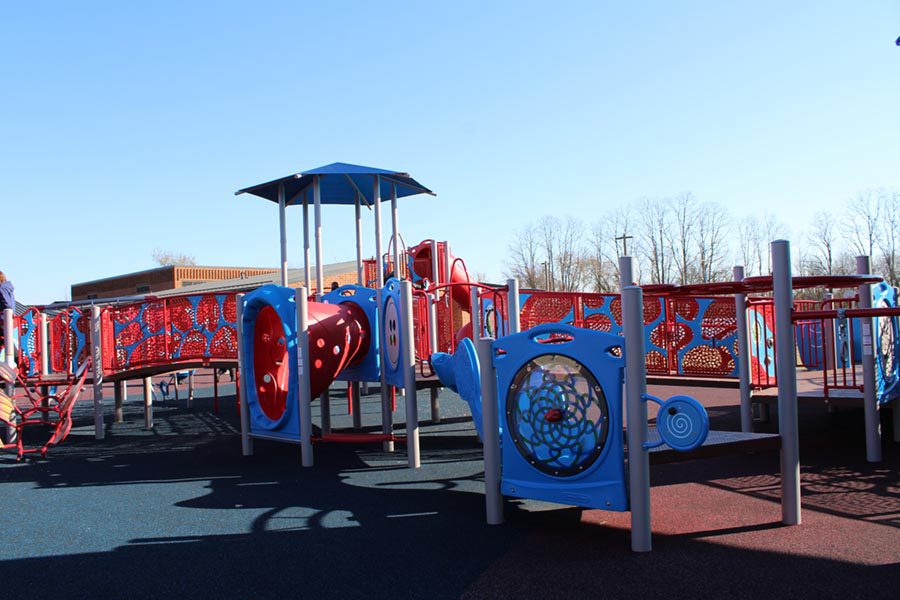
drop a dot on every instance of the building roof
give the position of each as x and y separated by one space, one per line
160 269
295 276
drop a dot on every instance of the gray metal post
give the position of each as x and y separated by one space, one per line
282 232
395 227
360 277
786 374
434 393
246 440
148 402
435 266
387 417
45 362
870 399
306 277
190 400
303 378
408 358
626 271
356 404
325 410
636 432
97 359
828 339
493 500
118 397
513 325
317 215
743 358
477 328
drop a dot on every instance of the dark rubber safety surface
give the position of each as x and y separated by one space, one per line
178 512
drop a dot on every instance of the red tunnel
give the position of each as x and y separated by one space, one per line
339 337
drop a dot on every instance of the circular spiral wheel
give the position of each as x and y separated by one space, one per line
557 415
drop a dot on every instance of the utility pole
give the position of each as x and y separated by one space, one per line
546 266
624 238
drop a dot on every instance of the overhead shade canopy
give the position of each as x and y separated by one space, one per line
339 183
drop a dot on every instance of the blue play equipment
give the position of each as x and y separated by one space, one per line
560 394
391 333
560 403
272 334
887 345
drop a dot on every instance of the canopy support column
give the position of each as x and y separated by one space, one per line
395 223
320 269
386 415
359 259
743 358
306 277
870 399
282 232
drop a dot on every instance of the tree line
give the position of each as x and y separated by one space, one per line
684 240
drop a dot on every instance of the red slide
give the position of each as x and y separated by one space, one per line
422 264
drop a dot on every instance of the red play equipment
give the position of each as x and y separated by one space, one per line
338 338
48 410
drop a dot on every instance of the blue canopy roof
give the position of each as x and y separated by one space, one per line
339 183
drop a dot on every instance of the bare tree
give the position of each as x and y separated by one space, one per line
524 262
773 229
861 224
654 220
601 270
823 241
711 226
569 253
165 258
681 235
749 244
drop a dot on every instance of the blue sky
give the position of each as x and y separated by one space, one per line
128 126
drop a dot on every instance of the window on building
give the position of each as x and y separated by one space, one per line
143 289
92 296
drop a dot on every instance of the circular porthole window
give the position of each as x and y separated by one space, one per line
557 415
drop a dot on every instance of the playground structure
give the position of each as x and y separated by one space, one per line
542 371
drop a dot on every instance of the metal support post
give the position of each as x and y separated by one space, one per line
97 360
434 393
282 232
325 410
45 363
386 413
743 357
148 402
870 398
477 328
118 398
246 440
306 275
317 205
636 432
626 271
513 309
360 277
395 227
304 397
408 356
190 400
356 404
493 500
435 265
786 374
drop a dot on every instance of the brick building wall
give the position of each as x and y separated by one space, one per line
158 280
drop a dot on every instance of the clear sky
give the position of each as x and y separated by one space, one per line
126 126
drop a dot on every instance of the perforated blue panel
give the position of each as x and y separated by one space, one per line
560 395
